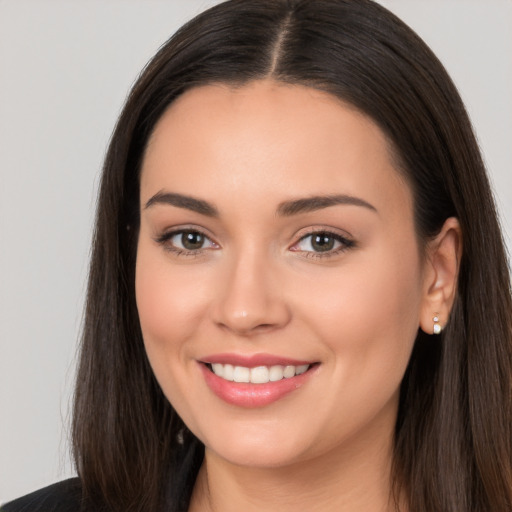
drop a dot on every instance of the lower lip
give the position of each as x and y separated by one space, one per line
249 395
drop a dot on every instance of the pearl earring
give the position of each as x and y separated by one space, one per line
437 327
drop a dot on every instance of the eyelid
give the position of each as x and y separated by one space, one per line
345 240
166 235
180 228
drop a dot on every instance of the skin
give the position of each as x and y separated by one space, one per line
258 286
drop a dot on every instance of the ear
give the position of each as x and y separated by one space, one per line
441 270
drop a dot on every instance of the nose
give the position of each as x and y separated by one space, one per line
251 298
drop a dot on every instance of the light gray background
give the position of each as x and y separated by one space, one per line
65 69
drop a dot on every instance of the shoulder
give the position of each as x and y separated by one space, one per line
63 496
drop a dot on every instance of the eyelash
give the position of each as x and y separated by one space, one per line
165 241
344 242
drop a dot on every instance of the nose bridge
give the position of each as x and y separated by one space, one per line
250 298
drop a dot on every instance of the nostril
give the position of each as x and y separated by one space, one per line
264 327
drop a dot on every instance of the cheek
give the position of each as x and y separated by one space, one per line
368 322
170 301
368 314
386 302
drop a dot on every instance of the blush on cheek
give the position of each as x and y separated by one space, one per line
373 313
164 315
170 302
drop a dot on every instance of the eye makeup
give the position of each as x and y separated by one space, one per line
192 242
322 243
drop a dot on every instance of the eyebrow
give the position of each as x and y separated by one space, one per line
182 201
285 209
310 204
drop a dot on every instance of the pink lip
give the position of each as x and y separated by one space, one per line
253 360
253 395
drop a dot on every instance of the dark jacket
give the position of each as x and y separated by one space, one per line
64 496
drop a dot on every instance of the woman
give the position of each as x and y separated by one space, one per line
298 294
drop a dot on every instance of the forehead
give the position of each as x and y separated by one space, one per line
272 141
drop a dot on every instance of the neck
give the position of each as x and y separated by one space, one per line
342 480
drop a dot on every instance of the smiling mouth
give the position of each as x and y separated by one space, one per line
258 374
254 381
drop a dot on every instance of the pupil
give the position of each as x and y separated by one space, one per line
192 241
322 243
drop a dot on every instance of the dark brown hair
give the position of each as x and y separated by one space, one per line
453 431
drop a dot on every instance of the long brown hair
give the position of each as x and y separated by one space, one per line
453 431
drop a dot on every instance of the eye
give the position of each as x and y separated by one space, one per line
322 243
189 240
186 241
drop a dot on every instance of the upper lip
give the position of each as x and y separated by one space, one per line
253 360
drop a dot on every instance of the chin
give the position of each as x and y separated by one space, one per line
254 456
259 446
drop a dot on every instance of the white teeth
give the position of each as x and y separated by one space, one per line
289 371
228 371
301 369
259 374
241 374
218 369
275 373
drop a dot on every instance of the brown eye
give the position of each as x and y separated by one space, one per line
192 240
322 242
186 241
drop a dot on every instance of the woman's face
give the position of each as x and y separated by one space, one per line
276 238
